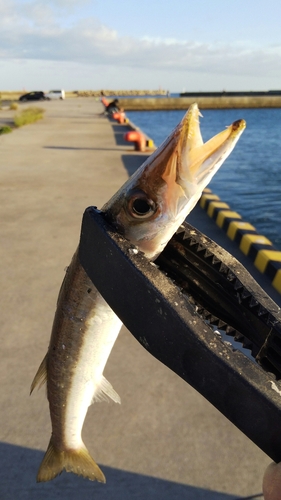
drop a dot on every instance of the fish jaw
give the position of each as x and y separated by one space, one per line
153 203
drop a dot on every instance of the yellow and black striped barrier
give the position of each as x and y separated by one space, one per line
266 258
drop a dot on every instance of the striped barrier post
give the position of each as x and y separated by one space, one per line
266 258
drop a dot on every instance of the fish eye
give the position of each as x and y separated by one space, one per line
140 206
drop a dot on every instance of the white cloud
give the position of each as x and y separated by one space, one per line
46 31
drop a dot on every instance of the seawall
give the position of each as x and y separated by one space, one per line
173 103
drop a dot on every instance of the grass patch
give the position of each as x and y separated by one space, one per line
5 129
28 115
14 105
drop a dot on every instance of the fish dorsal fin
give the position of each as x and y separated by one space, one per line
105 392
41 375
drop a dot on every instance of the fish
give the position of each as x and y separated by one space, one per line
147 210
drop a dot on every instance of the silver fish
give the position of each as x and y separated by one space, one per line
147 210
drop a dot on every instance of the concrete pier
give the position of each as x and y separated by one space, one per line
165 440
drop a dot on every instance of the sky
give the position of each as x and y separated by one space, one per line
179 45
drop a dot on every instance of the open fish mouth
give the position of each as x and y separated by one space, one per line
200 160
193 163
161 193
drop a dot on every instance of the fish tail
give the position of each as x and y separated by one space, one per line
77 461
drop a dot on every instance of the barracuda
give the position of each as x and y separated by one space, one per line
147 210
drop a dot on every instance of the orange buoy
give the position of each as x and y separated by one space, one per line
138 138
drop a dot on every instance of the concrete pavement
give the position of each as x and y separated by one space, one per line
164 441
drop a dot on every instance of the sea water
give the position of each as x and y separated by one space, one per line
250 179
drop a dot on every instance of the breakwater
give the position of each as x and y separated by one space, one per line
232 93
117 93
174 103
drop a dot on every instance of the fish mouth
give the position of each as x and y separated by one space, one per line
182 165
192 163
198 158
157 198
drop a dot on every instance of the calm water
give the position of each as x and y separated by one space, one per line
250 179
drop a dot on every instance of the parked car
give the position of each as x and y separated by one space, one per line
37 95
55 94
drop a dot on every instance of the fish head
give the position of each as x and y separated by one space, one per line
152 204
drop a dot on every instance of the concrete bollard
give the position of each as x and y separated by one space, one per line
120 117
138 138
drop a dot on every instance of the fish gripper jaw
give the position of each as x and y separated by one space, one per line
178 308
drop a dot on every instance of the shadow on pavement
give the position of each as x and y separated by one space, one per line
133 162
80 149
7 121
20 465
119 131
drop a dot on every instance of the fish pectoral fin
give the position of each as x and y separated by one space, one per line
105 392
78 461
41 375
